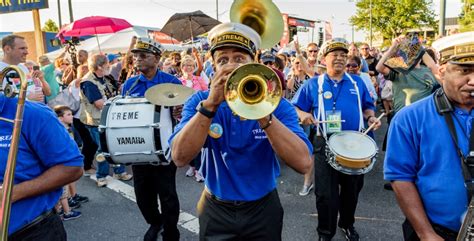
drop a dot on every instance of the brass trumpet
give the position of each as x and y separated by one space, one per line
5 209
253 91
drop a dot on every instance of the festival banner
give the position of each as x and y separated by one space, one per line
10 6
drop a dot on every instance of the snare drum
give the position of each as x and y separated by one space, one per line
134 131
351 152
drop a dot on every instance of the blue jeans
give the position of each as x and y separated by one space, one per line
102 167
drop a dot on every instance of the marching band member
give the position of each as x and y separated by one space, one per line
47 160
344 97
239 163
428 178
149 180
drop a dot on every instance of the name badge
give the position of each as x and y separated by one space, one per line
334 118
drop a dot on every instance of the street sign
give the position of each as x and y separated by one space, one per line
10 6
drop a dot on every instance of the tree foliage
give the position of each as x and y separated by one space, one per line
466 19
50 26
391 18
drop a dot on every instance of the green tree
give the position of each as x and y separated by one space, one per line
391 18
466 19
50 26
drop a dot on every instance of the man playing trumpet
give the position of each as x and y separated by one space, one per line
240 200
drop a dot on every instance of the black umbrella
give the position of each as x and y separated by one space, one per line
183 26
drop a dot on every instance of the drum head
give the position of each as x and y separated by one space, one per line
352 144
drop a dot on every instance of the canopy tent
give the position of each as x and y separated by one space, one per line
120 41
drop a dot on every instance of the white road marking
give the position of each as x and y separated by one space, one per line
186 220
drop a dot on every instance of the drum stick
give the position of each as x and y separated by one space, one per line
373 124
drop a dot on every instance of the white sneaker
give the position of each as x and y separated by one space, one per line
306 189
101 182
123 176
190 172
198 176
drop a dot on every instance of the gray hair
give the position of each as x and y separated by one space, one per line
96 61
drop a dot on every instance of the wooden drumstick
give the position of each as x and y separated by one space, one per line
373 124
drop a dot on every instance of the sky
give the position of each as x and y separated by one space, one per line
155 13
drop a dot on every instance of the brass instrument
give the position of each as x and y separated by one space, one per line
262 16
9 91
253 90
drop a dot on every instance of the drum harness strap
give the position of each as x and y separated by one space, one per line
131 87
321 112
444 108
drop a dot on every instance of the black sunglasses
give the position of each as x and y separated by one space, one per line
352 65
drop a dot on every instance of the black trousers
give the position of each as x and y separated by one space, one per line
260 220
336 192
151 182
49 228
89 148
409 233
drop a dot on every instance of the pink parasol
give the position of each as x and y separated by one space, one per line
94 25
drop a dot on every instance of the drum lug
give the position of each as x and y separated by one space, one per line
160 152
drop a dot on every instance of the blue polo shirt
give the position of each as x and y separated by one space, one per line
238 161
44 143
306 99
429 159
143 83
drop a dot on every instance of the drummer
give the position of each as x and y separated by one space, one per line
149 180
345 97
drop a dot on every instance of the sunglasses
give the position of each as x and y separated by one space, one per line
142 55
352 65
268 63
313 51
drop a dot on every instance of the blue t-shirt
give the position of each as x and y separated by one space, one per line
420 150
344 94
143 83
238 161
44 143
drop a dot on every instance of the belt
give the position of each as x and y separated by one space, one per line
230 202
25 229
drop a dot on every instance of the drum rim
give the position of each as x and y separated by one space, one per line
359 134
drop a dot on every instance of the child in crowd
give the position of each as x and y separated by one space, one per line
68 202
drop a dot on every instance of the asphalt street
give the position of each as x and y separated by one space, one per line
110 215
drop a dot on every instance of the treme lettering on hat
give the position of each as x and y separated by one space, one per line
233 37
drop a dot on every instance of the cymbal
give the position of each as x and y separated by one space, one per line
168 94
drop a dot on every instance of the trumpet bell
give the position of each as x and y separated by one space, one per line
253 91
262 16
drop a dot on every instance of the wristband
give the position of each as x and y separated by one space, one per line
269 123
371 117
205 112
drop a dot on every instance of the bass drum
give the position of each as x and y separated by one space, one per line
351 152
134 131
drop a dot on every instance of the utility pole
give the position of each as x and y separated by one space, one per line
442 17
71 18
217 10
59 15
370 9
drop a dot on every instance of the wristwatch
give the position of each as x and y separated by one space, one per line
207 113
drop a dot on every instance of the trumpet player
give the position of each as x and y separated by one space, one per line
240 200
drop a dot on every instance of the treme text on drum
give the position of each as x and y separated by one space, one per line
125 115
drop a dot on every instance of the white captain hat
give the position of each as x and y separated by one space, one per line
456 48
234 35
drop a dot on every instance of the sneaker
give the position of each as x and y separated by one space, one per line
306 189
152 233
71 215
123 176
101 182
198 176
351 233
80 199
73 204
190 172
90 172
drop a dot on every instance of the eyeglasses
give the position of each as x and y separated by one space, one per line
352 65
268 63
142 55
297 62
